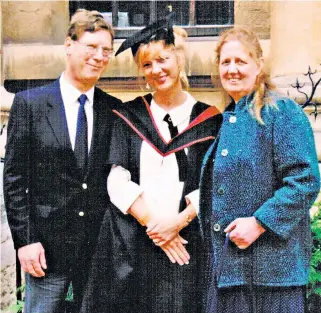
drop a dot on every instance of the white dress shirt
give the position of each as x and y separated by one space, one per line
159 176
70 95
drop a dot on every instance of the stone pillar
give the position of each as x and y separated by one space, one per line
295 37
296 45
3 94
5 98
255 14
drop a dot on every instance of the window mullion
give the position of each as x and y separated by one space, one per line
153 11
231 11
114 7
192 12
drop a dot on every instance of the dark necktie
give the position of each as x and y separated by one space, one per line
81 143
180 155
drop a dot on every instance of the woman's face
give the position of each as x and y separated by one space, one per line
160 67
238 70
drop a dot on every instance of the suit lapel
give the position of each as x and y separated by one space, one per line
56 115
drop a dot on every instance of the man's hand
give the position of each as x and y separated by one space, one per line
244 231
32 259
176 251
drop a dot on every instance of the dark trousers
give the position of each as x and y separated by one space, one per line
48 294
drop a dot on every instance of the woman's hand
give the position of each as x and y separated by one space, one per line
163 230
244 231
176 251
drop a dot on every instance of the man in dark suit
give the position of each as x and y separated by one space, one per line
56 168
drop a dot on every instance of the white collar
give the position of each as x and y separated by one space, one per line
178 114
70 94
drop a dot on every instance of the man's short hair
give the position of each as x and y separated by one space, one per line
87 21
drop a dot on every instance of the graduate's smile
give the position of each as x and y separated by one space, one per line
160 67
160 80
234 80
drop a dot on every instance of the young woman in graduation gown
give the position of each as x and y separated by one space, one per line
147 252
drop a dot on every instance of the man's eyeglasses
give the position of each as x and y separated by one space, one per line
91 50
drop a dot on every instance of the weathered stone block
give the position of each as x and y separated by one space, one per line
34 21
255 14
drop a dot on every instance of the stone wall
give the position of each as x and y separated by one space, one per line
48 61
255 14
34 21
295 37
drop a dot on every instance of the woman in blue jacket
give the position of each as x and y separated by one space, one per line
259 180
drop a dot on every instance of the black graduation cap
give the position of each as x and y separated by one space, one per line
159 30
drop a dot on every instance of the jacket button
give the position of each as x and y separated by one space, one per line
217 227
232 119
220 191
84 186
81 213
224 152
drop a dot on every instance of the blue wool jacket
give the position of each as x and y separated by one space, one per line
268 171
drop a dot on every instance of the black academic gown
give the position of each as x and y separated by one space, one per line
130 273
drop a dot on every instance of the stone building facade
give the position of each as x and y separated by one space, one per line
32 35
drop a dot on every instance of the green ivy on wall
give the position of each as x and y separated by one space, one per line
314 287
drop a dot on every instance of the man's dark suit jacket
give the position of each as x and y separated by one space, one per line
46 197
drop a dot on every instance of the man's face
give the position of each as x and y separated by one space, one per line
88 57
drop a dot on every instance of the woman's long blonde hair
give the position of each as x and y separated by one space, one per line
179 48
263 83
